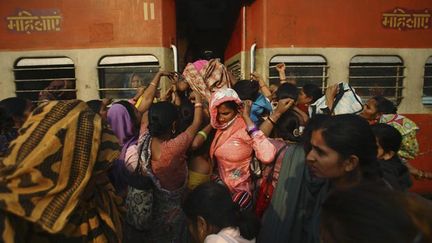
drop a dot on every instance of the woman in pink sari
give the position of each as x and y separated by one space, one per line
235 142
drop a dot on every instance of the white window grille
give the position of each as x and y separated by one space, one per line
120 76
37 78
427 85
377 75
235 69
305 69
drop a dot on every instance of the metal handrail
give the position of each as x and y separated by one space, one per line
174 48
252 57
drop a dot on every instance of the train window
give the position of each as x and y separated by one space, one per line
305 69
40 78
427 86
119 76
235 69
377 75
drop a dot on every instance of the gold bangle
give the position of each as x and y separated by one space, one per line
151 83
203 134
198 105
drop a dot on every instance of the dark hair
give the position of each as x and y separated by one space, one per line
161 116
287 90
388 137
384 105
348 135
213 202
6 121
186 115
95 105
131 111
231 104
288 127
313 124
14 106
367 213
313 91
247 89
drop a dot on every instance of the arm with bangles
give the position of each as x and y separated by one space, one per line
265 151
198 115
201 137
282 106
150 92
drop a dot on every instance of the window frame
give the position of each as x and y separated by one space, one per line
376 62
123 62
296 60
427 99
42 63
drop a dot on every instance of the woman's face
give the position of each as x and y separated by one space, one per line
370 111
303 98
135 81
225 113
323 161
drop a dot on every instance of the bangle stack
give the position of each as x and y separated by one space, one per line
252 130
203 134
198 105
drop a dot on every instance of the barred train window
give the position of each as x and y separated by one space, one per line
235 69
120 76
305 69
427 86
377 75
39 78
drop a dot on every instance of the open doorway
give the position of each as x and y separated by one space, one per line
204 28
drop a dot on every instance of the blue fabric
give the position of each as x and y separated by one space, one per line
260 106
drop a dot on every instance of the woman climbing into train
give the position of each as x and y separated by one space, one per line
160 156
236 140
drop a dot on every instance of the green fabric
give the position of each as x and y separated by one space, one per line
293 215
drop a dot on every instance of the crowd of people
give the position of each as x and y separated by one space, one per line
213 159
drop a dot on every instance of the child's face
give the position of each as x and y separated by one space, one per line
303 98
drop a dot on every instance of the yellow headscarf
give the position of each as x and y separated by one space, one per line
54 177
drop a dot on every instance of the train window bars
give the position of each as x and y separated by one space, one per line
41 78
427 85
120 76
305 69
377 75
235 69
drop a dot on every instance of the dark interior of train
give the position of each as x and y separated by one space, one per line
204 27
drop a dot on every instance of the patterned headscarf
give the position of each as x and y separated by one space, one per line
54 178
217 99
206 78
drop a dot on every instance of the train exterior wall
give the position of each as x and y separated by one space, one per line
338 30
